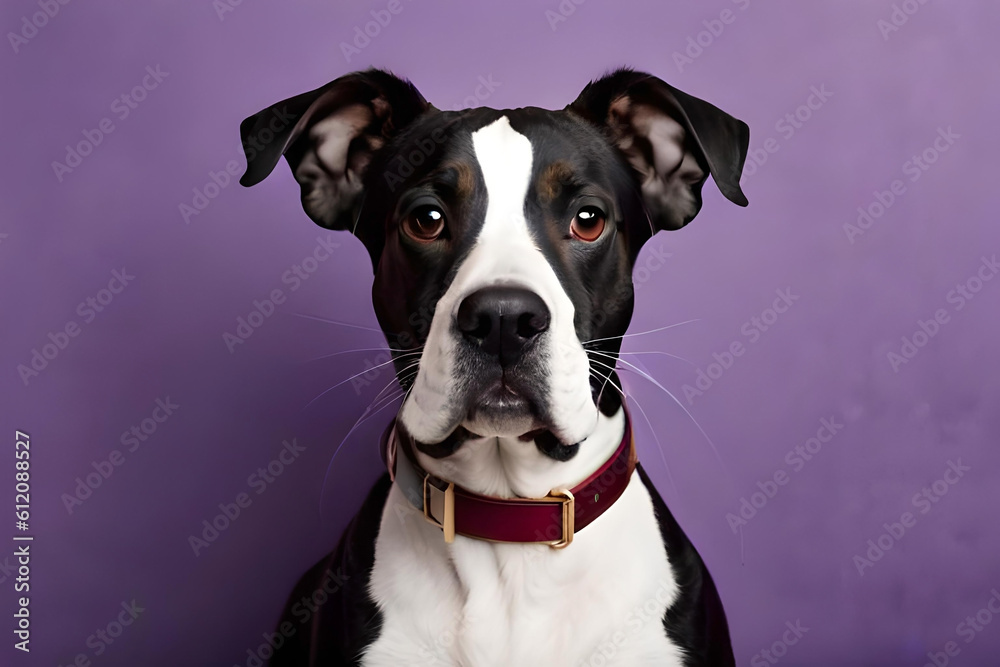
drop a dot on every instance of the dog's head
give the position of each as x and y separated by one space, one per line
502 240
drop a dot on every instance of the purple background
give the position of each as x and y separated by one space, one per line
826 357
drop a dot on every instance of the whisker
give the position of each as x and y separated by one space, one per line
400 378
606 379
651 379
640 333
659 446
367 370
666 354
343 324
367 414
366 349
361 420
616 356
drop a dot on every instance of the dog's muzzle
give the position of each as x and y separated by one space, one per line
502 322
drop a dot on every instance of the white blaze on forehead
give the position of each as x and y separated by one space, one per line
504 156
504 254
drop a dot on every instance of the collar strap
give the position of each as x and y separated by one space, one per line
552 520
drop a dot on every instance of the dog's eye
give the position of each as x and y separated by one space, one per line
588 223
424 223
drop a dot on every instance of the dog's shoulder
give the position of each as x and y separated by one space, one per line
330 610
696 621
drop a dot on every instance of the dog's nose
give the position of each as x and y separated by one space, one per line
502 321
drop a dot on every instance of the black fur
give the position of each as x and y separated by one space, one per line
394 152
696 621
339 631
348 622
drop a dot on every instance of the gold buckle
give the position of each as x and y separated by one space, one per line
568 513
447 524
445 501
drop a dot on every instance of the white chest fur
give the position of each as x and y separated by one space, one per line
479 604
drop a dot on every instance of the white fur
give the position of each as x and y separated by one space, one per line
504 254
479 604
600 601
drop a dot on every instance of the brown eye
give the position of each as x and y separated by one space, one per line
424 223
588 223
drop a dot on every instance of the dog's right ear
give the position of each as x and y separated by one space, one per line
672 140
328 136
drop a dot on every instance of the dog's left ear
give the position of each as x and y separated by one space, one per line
329 136
671 139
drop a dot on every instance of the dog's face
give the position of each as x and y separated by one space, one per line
502 241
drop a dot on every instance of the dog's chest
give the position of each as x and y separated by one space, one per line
477 604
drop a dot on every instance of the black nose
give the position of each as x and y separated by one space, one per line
502 321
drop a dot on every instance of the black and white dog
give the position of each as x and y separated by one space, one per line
514 527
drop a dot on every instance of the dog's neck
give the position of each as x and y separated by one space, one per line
510 467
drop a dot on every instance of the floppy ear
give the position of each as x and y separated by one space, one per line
671 139
328 136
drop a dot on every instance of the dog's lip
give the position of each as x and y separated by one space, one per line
499 400
502 394
502 400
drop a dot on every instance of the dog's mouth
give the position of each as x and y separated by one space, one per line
503 408
507 405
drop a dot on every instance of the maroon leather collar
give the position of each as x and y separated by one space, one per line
552 520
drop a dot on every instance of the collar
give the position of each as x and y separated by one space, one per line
552 520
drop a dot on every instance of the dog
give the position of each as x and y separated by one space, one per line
514 526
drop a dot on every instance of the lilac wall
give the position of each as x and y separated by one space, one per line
886 96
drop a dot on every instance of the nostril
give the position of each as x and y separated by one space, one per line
472 320
530 325
502 321
481 328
